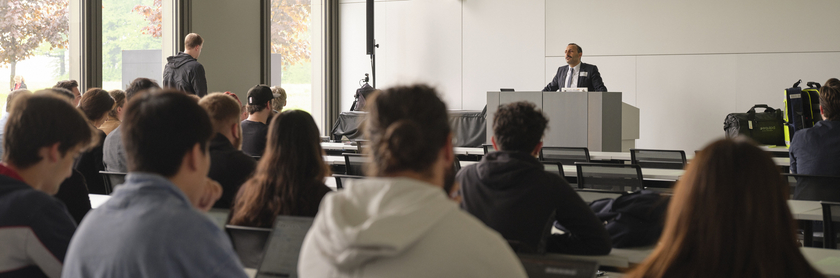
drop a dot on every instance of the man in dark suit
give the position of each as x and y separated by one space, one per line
582 75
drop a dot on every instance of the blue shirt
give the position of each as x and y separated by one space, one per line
816 150
149 229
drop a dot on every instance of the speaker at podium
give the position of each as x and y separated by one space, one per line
596 120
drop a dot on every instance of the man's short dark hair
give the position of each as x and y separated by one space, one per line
580 49
160 128
192 40
42 120
519 126
139 85
830 99
67 84
60 92
257 107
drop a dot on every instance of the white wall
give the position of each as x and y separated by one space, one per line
684 64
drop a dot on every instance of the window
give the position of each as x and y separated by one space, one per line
291 50
131 42
34 46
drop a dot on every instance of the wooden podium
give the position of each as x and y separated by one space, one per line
577 119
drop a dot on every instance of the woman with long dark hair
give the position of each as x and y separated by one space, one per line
289 179
95 104
728 218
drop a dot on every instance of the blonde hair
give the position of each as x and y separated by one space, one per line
279 102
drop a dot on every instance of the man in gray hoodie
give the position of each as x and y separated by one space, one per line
183 72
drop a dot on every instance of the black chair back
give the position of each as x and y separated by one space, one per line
112 180
831 215
488 148
554 167
565 155
662 159
616 178
249 243
354 163
341 180
814 188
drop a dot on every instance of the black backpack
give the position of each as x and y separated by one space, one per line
633 219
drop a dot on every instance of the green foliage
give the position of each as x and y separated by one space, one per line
122 30
26 24
298 74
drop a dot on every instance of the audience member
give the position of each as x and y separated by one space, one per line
95 104
149 225
73 87
816 150
400 223
183 72
289 178
244 114
113 152
510 191
9 99
279 101
728 217
35 228
255 128
115 116
228 165
73 191
20 83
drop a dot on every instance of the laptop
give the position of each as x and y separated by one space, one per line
540 266
281 253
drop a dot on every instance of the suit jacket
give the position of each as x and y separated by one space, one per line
592 81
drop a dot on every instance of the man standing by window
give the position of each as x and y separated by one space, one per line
183 72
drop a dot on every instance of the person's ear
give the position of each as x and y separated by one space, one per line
449 151
51 152
193 157
493 140
536 151
234 129
822 113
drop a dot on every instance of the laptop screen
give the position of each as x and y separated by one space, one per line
540 266
281 253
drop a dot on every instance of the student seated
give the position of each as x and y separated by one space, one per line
35 228
816 150
728 217
289 178
255 127
95 104
510 191
399 222
115 116
150 227
228 165
113 152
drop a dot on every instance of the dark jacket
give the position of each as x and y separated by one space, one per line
512 193
183 72
592 81
816 150
73 192
230 167
42 220
89 163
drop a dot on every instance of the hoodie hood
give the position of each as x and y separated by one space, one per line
502 169
179 60
375 218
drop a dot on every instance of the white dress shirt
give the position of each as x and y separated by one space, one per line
573 76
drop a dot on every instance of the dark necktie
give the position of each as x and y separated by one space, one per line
571 75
